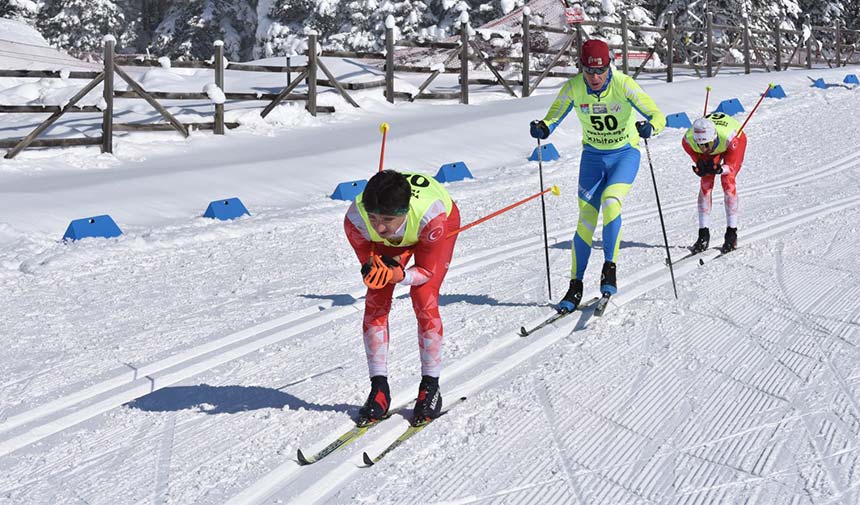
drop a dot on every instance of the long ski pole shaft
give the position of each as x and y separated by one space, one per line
553 189
543 214
754 108
662 223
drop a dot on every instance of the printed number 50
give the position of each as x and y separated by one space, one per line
604 123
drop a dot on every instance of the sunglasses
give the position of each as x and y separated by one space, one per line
595 70
706 146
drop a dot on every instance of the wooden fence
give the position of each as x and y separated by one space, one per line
687 47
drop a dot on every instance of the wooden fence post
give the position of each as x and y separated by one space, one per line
312 74
526 53
838 45
747 67
578 42
709 62
670 47
464 60
778 39
389 64
219 81
107 94
624 46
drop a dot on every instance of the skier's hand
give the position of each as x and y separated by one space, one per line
539 129
704 166
381 271
644 128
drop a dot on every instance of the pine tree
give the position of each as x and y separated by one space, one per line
79 26
19 10
190 29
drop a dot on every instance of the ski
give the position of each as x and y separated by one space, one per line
555 317
411 431
682 258
601 305
342 441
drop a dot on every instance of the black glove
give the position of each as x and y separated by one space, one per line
539 129
389 261
704 166
644 128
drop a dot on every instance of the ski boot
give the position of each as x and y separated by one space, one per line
702 242
731 242
571 300
607 287
429 403
378 401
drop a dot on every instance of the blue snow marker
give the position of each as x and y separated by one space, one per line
231 208
678 120
775 92
548 153
730 107
451 172
819 83
851 79
96 226
349 190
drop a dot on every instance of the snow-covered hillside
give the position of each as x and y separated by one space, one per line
187 360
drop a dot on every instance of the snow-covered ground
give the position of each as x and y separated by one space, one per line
187 360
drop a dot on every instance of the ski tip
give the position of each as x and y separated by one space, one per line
301 458
701 261
367 460
523 331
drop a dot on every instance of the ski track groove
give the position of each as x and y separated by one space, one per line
491 260
763 232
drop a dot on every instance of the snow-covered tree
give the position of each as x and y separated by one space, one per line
190 28
79 26
19 10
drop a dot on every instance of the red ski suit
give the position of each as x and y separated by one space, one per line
432 255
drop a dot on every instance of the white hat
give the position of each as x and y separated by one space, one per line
704 131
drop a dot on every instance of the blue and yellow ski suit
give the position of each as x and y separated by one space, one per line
610 154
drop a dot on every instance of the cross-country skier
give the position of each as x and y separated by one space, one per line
400 216
716 148
604 100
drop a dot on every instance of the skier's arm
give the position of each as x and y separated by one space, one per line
357 235
431 241
644 104
560 107
734 155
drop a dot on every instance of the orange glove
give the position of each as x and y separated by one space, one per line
381 271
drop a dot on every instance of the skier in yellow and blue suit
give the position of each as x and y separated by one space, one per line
604 100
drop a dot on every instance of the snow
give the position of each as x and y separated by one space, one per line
188 359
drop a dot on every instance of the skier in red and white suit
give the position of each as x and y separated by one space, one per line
717 145
398 217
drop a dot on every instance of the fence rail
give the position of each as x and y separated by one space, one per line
774 50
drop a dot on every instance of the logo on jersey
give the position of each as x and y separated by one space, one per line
583 108
434 234
615 107
599 108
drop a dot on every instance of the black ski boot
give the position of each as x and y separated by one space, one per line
731 242
607 279
378 401
571 300
429 403
702 242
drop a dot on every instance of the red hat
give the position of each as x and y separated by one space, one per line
595 53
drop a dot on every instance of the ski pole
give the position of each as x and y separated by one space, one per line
662 224
769 86
383 128
707 94
543 215
553 189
